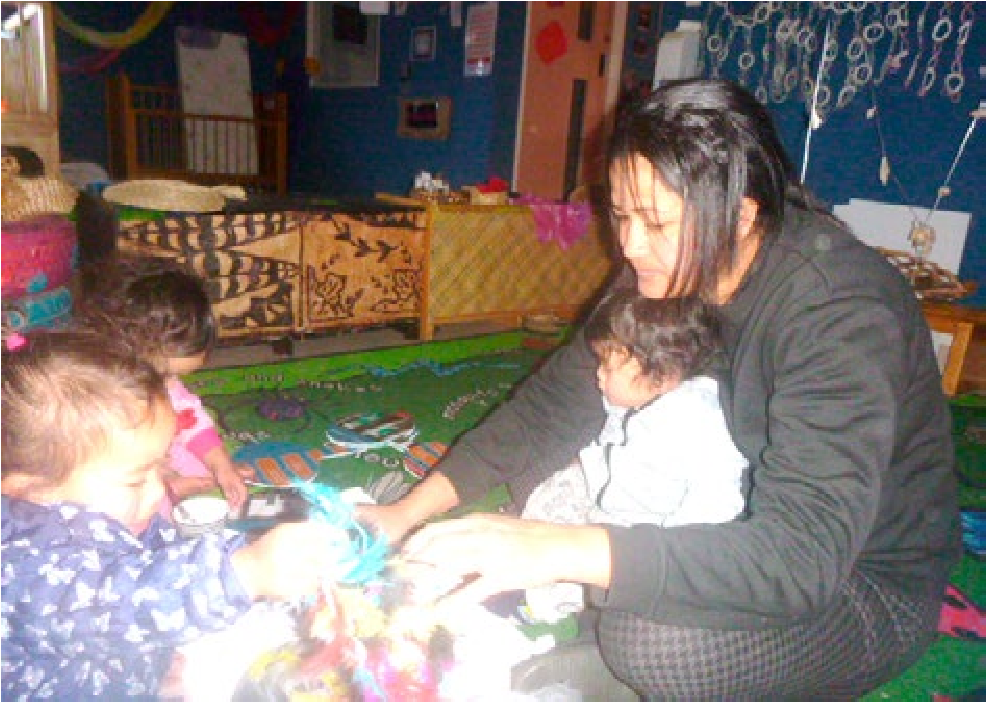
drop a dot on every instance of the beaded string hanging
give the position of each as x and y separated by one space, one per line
922 235
825 53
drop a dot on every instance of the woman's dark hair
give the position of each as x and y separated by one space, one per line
163 309
673 337
712 143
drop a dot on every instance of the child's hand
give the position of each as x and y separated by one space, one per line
290 561
172 688
232 484
182 486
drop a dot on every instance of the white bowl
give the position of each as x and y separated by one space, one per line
200 514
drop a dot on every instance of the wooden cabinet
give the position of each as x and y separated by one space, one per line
364 268
288 270
281 272
30 81
495 263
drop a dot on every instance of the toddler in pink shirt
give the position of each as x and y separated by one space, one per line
165 312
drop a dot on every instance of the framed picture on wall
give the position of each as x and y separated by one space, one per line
343 46
423 44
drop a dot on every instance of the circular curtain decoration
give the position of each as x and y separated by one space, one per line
262 31
144 25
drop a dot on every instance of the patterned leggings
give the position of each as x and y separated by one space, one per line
870 636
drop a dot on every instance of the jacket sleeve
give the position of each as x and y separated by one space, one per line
536 432
101 593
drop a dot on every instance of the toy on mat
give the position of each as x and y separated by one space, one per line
361 432
355 646
358 640
961 617
364 556
355 434
280 463
421 458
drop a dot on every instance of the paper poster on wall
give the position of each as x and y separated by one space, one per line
677 55
888 226
345 46
480 38
214 68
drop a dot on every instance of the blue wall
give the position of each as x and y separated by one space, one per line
349 135
922 133
344 142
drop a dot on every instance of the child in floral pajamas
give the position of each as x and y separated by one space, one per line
97 589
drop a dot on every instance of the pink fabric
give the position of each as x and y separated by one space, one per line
562 222
195 436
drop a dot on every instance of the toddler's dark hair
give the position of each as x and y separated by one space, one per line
163 309
64 393
669 337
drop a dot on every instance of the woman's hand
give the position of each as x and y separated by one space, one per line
493 554
432 496
393 521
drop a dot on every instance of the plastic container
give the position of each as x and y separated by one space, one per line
39 254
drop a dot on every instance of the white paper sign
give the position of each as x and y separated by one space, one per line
889 226
215 80
480 38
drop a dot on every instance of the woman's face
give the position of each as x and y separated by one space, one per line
648 218
124 480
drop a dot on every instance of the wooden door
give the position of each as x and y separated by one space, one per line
569 71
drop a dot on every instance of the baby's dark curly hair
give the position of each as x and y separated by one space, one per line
162 309
675 337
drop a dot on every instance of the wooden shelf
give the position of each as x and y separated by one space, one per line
30 83
964 369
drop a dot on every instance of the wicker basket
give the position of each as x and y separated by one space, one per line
172 195
930 281
477 197
23 198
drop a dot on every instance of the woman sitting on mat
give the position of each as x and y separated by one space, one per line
831 582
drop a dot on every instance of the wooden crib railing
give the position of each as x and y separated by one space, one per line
150 136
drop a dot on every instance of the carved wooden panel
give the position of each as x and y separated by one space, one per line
251 264
364 268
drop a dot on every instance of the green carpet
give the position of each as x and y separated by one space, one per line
953 667
448 387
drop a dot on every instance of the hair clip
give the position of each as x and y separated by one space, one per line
15 342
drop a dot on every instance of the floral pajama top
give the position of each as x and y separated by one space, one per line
90 610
